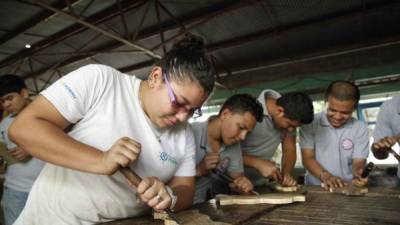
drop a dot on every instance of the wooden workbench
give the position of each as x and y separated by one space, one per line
379 206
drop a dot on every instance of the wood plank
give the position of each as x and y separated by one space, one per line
348 190
278 187
372 191
270 198
323 208
379 206
193 217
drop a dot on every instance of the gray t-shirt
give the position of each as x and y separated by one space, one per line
264 139
388 121
335 148
19 176
233 152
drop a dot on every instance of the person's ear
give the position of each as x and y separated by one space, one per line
225 114
156 77
280 111
24 93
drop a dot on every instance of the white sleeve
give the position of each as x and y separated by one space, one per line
75 93
188 166
383 128
361 145
307 137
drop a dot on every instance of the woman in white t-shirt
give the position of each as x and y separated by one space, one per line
119 121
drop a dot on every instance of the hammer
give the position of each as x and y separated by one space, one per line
135 180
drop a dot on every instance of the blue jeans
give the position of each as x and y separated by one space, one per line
12 204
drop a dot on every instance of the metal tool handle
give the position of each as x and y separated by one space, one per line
228 179
397 156
222 175
135 179
367 170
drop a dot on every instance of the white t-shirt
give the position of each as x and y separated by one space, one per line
105 106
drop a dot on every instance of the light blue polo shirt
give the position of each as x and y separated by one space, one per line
388 121
19 176
335 148
264 139
234 152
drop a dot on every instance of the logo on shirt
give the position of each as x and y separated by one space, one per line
165 157
69 90
347 144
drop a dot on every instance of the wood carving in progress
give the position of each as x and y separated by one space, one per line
349 190
280 188
192 217
270 198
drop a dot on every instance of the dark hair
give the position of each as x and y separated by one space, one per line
11 83
188 60
297 106
242 103
343 90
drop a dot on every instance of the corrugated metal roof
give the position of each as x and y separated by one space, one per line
249 39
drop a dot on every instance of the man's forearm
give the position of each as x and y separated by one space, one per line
288 162
358 167
315 168
288 154
185 196
250 161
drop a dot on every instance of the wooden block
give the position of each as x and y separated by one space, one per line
192 217
162 215
281 188
270 198
349 190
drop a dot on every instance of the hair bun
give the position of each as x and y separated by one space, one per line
190 43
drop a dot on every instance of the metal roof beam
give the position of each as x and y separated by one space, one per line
100 17
42 16
275 31
100 30
188 18
285 28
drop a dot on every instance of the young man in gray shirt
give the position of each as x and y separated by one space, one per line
218 139
335 145
282 115
19 176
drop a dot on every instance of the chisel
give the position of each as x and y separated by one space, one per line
225 177
397 156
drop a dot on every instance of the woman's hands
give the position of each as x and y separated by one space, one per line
121 154
153 192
